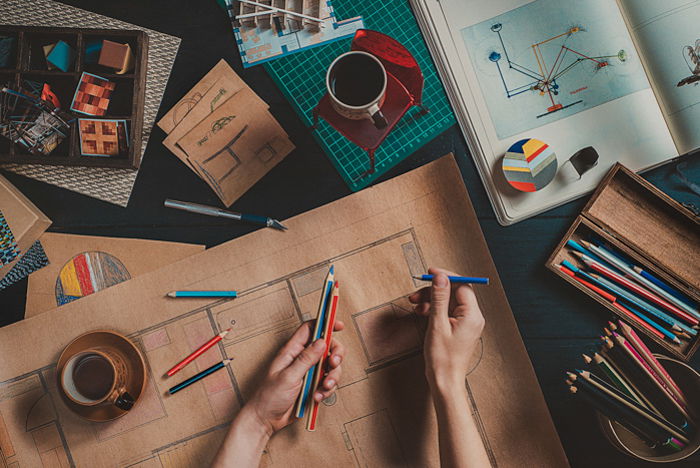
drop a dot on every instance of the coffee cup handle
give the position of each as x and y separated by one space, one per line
124 401
378 118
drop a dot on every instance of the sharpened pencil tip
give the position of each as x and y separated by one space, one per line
332 269
172 294
676 340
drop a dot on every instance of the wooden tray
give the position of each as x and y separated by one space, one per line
648 226
126 101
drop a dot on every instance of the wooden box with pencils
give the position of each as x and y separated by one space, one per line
636 251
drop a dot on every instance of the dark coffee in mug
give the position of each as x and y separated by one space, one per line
93 376
356 79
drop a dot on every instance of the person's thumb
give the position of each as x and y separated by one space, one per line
306 359
440 296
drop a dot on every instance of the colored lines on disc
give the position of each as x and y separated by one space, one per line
87 273
529 165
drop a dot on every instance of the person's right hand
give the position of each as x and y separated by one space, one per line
455 323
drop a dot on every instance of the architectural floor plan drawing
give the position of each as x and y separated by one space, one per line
381 415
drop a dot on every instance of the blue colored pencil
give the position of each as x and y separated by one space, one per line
677 294
579 248
200 376
645 306
658 327
202 294
457 279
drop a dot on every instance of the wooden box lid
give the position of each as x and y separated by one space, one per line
650 222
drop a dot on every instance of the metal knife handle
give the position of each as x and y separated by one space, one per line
200 209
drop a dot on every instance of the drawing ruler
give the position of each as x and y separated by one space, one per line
322 306
328 335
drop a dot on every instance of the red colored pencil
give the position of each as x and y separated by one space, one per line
637 289
198 352
653 376
643 350
641 322
613 300
313 414
590 286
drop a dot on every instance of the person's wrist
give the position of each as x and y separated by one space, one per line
254 423
446 384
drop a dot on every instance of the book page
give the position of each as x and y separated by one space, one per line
564 72
668 36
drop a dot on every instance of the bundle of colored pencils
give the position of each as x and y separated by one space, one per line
323 329
633 388
639 296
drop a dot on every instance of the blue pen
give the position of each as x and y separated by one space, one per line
200 376
202 294
456 279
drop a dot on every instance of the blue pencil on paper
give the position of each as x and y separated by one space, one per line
200 376
202 294
457 279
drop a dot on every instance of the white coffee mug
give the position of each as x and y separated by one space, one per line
356 83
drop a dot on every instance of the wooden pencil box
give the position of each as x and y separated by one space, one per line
28 61
648 226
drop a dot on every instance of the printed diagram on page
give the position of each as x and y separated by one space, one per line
550 59
691 54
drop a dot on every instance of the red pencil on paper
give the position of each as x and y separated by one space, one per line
330 323
198 352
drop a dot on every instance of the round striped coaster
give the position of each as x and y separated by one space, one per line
529 165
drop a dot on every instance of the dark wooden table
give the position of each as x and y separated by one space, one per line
556 321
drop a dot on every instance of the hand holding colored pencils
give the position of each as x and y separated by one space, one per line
323 329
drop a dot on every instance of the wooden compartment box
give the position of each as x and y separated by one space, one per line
126 103
650 228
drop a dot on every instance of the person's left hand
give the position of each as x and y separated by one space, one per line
273 403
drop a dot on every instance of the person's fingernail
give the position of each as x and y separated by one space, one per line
318 396
441 281
336 360
330 383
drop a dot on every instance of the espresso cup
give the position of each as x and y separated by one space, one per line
356 84
96 376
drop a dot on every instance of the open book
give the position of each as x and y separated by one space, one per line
623 77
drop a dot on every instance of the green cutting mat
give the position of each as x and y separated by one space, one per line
301 77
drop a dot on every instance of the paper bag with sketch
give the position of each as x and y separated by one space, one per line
175 115
236 145
224 87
